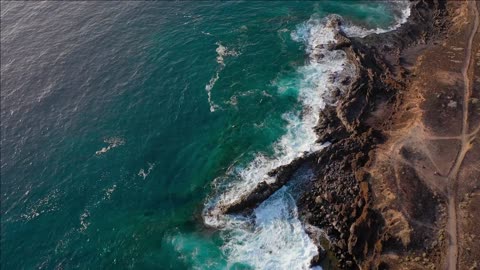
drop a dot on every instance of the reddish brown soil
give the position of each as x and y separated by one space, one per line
426 177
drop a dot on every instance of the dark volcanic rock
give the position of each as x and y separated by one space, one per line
264 190
341 42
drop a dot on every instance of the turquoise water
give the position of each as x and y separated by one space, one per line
110 143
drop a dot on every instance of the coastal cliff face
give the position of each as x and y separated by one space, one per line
398 186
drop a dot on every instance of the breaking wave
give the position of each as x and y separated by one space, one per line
402 13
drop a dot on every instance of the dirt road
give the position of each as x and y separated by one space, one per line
466 144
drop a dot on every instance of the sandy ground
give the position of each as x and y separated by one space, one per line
426 177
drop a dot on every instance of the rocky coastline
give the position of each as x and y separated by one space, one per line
378 211
362 211
341 201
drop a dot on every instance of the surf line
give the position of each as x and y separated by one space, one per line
273 230
274 222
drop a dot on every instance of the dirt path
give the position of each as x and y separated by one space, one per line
426 174
466 143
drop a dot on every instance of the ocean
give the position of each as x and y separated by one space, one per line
126 125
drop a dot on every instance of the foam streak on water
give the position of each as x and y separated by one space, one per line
222 52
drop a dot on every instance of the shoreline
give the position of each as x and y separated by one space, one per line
377 198
342 202
376 194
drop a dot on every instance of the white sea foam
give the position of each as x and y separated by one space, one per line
112 143
145 172
276 241
208 88
108 192
47 204
403 8
222 52
84 223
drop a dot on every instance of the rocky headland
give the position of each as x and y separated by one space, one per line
398 187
